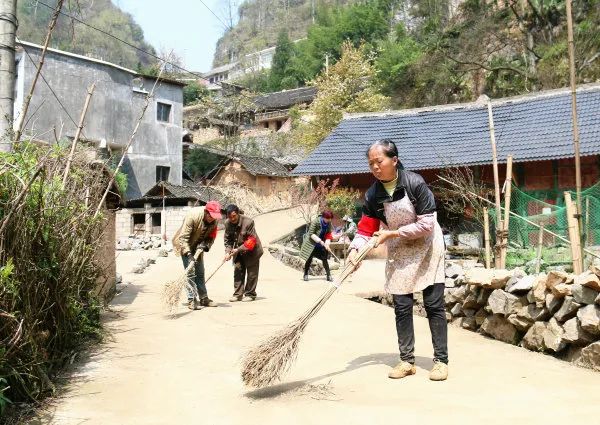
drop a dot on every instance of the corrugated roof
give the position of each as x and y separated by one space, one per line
286 98
531 128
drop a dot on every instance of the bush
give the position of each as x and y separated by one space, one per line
342 201
48 271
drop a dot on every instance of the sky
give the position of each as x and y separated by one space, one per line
186 26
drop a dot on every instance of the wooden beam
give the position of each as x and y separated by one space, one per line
505 223
573 234
499 225
486 237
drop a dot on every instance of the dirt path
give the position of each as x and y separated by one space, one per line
157 370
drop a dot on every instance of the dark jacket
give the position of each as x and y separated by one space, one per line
242 236
408 182
308 244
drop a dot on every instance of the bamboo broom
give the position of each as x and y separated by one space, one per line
268 361
172 290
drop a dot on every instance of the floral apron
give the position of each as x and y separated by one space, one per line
412 265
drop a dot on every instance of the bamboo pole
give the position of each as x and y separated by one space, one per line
538 256
573 234
505 223
78 132
574 109
486 238
499 224
474 195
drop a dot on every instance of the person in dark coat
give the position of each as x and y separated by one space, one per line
243 245
402 201
316 243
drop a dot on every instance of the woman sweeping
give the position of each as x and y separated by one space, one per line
403 202
316 244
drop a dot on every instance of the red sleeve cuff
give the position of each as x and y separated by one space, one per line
368 225
250 243
213 234
328 236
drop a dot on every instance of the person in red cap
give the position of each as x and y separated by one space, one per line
198 232
243 245
316 243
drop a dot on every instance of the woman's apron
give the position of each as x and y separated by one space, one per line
412 265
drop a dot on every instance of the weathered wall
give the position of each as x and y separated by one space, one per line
113 112
174 218
105 257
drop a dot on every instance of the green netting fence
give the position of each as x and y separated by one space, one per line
547 208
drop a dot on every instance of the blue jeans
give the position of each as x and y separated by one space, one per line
197 278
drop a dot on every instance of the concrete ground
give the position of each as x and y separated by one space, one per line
158 370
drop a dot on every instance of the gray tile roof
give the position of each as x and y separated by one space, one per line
188 190
286 98
531 128
262 166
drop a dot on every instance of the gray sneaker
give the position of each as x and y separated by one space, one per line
192 304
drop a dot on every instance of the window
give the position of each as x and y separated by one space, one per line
162 173
163 112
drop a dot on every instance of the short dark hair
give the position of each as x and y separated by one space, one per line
232 208
389 147
327 214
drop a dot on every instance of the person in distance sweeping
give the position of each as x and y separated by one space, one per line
198 232
404 203
316 243
243 245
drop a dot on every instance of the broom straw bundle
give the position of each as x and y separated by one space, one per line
171 295
268 361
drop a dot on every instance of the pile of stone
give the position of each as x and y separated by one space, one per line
557 312
140 242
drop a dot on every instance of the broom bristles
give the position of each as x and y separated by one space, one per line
267 362
171 294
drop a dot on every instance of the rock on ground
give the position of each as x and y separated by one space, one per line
575 334
583 294
534 338
501 302
554 336
589 317
501 329
590 356
567 310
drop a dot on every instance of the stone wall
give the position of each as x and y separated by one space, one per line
555 313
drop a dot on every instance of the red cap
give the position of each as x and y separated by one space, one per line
214 209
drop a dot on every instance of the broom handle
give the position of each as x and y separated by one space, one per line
343 276
213 273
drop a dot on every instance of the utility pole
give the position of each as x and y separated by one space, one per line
574 113
8 30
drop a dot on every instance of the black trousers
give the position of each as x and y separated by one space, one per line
433 298
245 276
321 254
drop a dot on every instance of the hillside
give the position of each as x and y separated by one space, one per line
435 52
260 21
78 38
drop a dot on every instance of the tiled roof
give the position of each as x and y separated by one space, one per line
262 166
286 98
531 128
188 190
